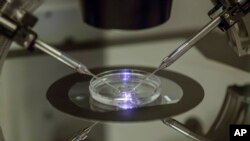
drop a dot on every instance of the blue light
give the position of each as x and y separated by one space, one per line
126 75
128 100
127 97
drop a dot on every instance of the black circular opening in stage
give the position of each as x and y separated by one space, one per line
179 94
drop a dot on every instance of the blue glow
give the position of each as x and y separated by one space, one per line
125 106
126 75
128 100
127 97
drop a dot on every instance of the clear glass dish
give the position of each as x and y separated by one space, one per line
125 80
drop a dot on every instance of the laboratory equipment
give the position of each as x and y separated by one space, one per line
181 94
83 134
27 38
69 61
125 14
215 22
16 23
124 80
74 98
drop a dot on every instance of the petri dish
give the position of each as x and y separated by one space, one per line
125 96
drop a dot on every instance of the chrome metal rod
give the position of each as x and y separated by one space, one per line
182 129
62 57
181 50
176 54
7 24
69 61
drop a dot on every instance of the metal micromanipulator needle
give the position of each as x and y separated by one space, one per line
83 134
66 59
181 50
176 54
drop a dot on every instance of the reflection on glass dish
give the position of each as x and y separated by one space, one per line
125 80
100 107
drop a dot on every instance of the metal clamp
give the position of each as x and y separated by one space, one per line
233 23
233 13
25 37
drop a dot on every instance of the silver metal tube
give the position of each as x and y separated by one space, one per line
66 59
176 54
7 24
182 129
62 57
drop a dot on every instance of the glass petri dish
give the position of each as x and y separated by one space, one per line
126 97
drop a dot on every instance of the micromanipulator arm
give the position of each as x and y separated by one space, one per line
225 19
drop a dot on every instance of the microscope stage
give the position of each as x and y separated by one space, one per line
178 94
